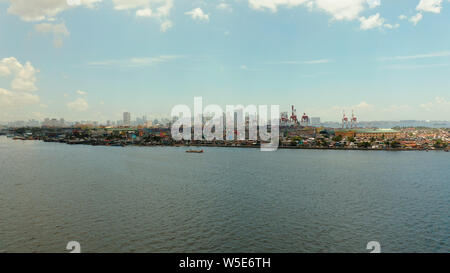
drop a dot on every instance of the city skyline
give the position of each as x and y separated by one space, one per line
387 61
128 120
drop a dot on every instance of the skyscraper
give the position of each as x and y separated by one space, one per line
126 119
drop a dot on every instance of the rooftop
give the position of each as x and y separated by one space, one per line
376 131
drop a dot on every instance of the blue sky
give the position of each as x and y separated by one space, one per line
94 59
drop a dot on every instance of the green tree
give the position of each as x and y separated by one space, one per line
395 144
439 144
337 138
364 144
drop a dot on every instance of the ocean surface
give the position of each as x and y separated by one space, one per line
161 199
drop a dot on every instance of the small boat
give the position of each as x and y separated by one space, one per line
194 151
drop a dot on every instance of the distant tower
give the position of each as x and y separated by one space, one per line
126 119
353 121
344 120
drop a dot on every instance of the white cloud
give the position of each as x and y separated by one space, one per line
439 104
373 3
434 6
23 82
57 30
272 5
374 21
24 75
144 13
9 99
416 18
79 105
420 66
418 56
225 7
138 62
157 9
198 14
321 61
39 10
146 8
363 105
389 26
402 17
343 9
339 10
130 4
82 93
166 25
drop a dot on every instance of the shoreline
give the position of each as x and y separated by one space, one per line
234 146
308 148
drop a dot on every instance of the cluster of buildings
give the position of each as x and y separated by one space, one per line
127 121
295 132
290 137
141 122
419 138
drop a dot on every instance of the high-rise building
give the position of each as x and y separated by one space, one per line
126 119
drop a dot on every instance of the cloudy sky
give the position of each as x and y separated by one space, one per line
94 59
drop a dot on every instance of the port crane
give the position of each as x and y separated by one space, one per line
284 118
344 120
353 121
305 120
293 117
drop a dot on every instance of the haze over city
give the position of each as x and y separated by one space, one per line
94 60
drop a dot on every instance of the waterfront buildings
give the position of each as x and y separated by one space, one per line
377 133
368 133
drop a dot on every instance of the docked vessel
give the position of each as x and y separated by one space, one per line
194 151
